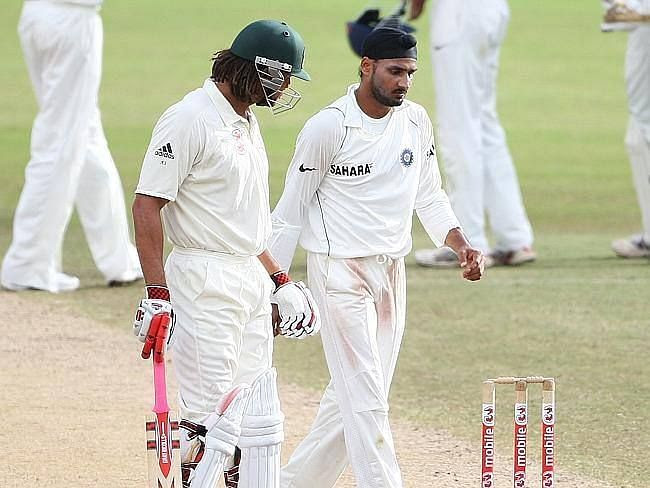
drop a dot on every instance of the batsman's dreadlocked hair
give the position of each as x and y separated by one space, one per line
240 73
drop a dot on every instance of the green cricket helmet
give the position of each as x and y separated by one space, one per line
278 52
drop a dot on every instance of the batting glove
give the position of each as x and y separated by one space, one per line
156 303
299 316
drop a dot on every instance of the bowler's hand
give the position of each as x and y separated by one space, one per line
473 263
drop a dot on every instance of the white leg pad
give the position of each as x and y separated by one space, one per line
223 431
262 435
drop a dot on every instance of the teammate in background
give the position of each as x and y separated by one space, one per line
70 164
361 167
206 172
466 38
629 15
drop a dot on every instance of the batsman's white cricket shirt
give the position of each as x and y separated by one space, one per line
354 182
211 164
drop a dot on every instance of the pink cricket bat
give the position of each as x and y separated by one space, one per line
163 443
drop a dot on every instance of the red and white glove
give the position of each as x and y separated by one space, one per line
156 303
299 317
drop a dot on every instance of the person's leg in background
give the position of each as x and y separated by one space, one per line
457 53
503 201
637 139
55 40
100 197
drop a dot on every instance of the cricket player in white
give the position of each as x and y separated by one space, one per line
361 167
70 164
634 16
466 38
206 172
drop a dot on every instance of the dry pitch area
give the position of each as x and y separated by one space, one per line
74 393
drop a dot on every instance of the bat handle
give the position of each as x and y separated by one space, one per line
160 387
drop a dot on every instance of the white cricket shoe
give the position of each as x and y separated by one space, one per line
510 258
62 283
442 257
631 247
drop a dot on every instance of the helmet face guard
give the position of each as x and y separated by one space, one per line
273 75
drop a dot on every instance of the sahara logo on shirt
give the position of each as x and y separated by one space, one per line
351 169
406 158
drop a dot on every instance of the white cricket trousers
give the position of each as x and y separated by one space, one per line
223 330
637 139
466 37
70 163
363 308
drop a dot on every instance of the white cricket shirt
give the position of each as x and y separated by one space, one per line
351 188
211 164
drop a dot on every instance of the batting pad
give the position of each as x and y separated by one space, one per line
262 435
223 430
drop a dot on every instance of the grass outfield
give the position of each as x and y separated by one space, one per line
578 314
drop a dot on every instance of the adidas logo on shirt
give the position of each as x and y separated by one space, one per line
165 151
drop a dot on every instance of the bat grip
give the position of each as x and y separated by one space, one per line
160 387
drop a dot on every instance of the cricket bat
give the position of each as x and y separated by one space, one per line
163 442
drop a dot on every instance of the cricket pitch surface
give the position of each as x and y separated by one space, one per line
75 392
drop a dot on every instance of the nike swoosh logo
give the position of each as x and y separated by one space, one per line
302 169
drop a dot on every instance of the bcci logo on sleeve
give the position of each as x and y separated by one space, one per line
406 158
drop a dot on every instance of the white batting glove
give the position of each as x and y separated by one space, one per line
156 302
299 316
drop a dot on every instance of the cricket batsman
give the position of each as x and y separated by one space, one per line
204 184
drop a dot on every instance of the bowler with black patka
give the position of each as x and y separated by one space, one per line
361 167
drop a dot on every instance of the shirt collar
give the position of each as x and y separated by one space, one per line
353 111
225 110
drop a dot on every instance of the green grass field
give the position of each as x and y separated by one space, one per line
578 314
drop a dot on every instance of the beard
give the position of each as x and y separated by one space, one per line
385 97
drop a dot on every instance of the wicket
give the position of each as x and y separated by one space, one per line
520 430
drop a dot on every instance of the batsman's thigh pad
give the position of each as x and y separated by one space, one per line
262 434
223 428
